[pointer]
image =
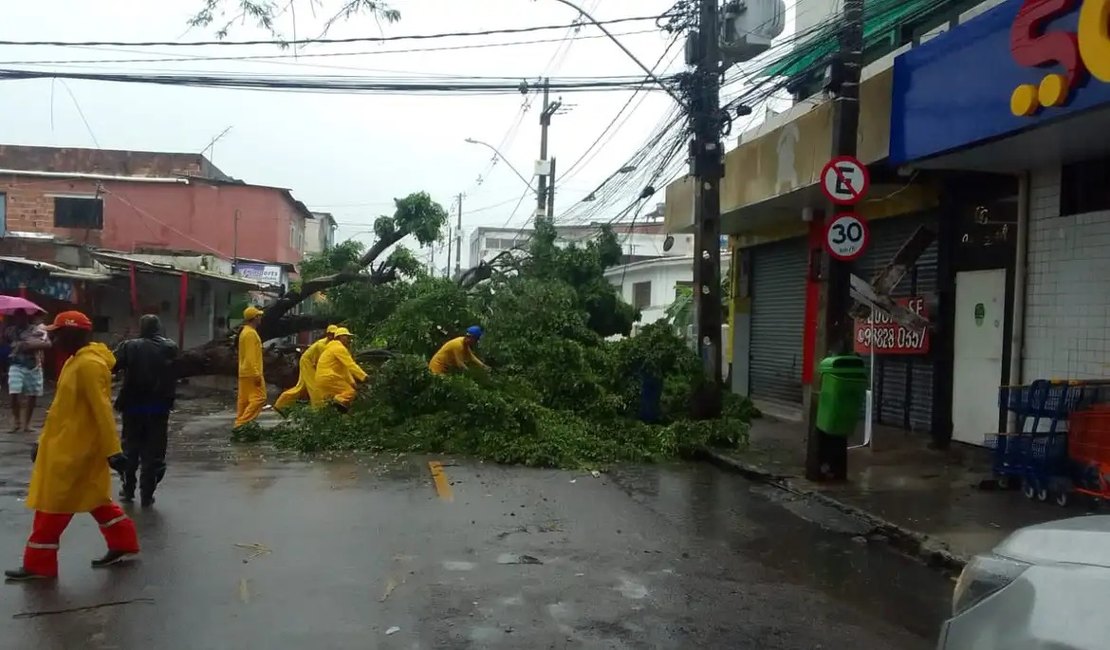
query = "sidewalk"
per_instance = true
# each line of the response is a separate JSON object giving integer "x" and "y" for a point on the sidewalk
{"x": 926, "y": 502}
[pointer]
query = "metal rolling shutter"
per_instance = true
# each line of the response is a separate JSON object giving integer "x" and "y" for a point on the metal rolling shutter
{"x": 778, "y": 321}
{"x": 903, "y": 384}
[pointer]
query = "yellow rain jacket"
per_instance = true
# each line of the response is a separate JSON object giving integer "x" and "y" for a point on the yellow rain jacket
{"x": 336, "y": 375}
{"x": 71, "y": 471}
{"x": 306, "y": 380}
{"x": 454, "y": 355}
{"x": 252, "y": 385}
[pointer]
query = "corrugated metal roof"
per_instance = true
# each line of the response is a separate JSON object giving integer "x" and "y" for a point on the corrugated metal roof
{"x": 123, "y": 261}
{"x": 90, "y": 275}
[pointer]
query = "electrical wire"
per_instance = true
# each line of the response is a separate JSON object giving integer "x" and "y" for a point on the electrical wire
{"x": 336, "y": 84}
{"x": 327, "y": 41}
{"x": 280, "y": 59}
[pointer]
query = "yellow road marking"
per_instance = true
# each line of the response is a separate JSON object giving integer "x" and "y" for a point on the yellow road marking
{"x": 439, "y": 477}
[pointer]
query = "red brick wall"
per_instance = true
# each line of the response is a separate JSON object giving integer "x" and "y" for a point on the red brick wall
{"x": 195, "y": 217}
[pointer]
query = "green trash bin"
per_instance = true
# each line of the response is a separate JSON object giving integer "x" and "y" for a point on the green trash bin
{"x": 843, "y": 391}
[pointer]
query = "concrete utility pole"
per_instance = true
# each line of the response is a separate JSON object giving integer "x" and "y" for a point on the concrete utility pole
{"x": 551, "y": 192}
{"x": 822, "y": 451}
{"x": 458, "y": 240}
{"x": 447, "y": 269}
{"x": 707, "y": 168}
{"x": 549, "y": 109}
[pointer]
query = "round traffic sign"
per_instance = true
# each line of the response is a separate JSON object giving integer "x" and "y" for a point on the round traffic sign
{"x": 845, "y": 180}
{"x": 847, "y": 236}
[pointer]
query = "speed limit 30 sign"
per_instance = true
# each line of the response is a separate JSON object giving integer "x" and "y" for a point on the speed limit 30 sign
{"x": 846, "y": 237}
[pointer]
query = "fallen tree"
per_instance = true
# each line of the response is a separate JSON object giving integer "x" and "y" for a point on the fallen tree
{"x": 560, "y": 393}
{"x": 416, "y": 215}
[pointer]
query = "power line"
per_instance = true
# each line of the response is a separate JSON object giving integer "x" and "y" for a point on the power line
{"x": 331, "y": 83}
{"x": 328, "y": 41}
{"x": 279, "y": 59}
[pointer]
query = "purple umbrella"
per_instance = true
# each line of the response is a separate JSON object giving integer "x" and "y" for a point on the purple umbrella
{"x": 12, "y": 304}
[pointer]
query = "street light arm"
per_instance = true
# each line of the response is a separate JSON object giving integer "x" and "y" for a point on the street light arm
{"x": 647, "y": 70}
{"x": 502, "y": 157}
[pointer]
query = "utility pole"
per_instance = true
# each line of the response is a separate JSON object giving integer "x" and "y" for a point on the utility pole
{"x": 549, "y": 108}
{"x": 458, "y": 240}
{"x": 235, "y": 245}
{"x": 551, "y": 193}
{"x": 707, "y": 168}
{"x": 447, "y": 269}
{"x": 826, "y": 456}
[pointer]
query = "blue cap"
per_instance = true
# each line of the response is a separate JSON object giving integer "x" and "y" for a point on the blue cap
{"x": 474, "y": 331}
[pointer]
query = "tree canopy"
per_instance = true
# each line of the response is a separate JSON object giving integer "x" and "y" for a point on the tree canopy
{"x": 561, "y": 393}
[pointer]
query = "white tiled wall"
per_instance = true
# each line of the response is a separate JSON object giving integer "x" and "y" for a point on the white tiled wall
{"x": 1067, "y": 318}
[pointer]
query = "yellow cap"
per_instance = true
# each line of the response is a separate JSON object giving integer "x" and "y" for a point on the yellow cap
{"x": 342, "y": 331}
{"x": 251, "y": 313}
{"x": 332, "y": 328}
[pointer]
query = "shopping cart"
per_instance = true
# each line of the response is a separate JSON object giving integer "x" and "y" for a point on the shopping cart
{"x": 1037, "y": 461}
{"x": 1036, "y": 452}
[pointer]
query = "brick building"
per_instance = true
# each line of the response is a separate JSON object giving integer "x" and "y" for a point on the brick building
{"x": 120, "y": 233}
{"x": 135, "y": 201}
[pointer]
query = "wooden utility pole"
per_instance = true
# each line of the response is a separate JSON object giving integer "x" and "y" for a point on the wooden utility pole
{"x": 836, "y": 334}
{"x": 707, "y": 168}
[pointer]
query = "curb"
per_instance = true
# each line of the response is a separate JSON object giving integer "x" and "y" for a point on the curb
{"x": 928, "y": 549}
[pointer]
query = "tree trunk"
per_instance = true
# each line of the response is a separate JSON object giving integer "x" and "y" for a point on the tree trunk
{"x": 220, "y": 356}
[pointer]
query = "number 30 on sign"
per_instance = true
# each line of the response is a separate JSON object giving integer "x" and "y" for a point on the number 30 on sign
{"x": 846, "y": 237}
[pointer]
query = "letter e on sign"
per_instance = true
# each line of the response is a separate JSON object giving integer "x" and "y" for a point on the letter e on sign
{"x": 846, "y": 237}
{"x": 845, "y": 180}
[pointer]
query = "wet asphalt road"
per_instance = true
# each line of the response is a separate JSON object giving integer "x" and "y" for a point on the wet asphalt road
{"x": 681, "y": 556}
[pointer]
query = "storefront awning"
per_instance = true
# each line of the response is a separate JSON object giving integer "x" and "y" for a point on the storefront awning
{"x": 55, "y": 271}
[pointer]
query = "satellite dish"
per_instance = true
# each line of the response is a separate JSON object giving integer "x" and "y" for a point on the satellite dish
{"x": 668, "y": 243}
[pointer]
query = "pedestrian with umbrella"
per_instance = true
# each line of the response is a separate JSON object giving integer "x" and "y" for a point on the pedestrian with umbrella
{"x": 26, "y": 340}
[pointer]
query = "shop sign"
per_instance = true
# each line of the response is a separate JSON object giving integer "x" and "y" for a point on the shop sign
{"x": 264, "y": 273}
{"x": 1014, "y": 66}
{"x": 891, "y": 337}
{"x": 1080, "y": 51}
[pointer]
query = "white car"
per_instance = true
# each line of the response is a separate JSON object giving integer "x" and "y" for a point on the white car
{"x": 1045, "y": 587}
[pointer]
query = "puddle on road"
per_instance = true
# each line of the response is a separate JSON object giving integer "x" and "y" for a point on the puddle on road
{"x": 802, "y": 541}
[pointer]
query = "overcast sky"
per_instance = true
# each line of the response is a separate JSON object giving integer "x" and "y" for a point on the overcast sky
{"x": 346, "y": 154}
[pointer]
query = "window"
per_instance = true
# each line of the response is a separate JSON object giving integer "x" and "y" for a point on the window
{"x": 641, "y": 295}
{"x": 3, "y": 214}
{"x": 1083, "y": 187}
{"x": 86, "y": 212}
{"x": 683, "y": 286}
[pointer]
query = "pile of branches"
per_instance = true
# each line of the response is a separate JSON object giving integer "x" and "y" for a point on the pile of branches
{"x": 564, "y": 390}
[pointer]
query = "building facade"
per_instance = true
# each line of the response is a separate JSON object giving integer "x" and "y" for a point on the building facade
{"x": 640, "y": 241}
{"x": 776, "y": 217}
{"x": 1012, "y": 108}
{"x": 135, "y": 201}
{"x": 319, "y": 232}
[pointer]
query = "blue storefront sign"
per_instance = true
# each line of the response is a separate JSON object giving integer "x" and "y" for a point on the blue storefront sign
{"x": 1018, "y": 66}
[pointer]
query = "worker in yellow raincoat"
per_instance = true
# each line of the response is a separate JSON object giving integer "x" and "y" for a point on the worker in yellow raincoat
{"x": 78, "y": 446}
{"x": 458, "y": 353}
{"x": 306, "y": 380}
{"x": 337, "y": 374}
{"x": 252, "y": 383}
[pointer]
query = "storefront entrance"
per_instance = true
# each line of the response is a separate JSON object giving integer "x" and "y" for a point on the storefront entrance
{"x": 979, "y": 347}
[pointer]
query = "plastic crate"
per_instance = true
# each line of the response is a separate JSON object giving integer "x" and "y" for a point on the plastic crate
{"x": 1089, "y": 435}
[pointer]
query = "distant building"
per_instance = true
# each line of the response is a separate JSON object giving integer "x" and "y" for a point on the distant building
{"x": 319, "y": 233}
{"x": 639, "y": 241}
